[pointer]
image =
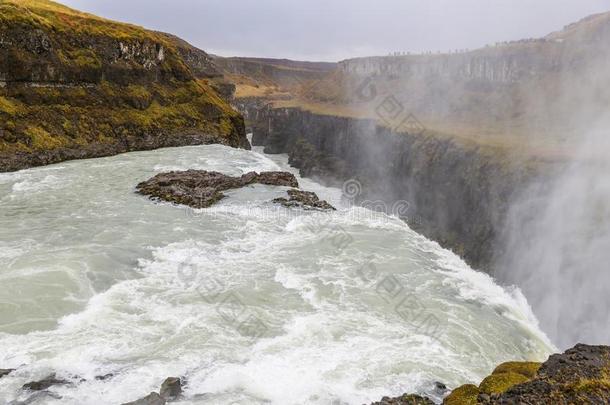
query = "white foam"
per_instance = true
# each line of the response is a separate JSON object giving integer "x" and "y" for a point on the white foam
{"x": 329, "y": 336}
{"x": 35, "y": 185}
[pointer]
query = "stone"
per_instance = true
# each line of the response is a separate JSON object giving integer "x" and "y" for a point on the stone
{"x": 578, "y": 376}
{"x": 5, "y": 371}
{"x": 171, "y": 388}
{"x": 440, "y": 386}
{"x": 152, "y": 399}
{"x": 305, "y": 200}
{"x": 405, "y": 399}
{"x": 45, "y": 383}
{"x": 277, "y": 179}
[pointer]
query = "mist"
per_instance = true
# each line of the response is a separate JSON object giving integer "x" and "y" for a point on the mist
{"x": 558, "y": 246}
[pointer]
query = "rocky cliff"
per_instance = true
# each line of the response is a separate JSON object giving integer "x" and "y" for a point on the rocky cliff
{"x": 457, "y": 193}
{"x": 483, "y": 125}
{"x": 577, "y": 376}
{"x": 73, "y": 85}
{"x": 541, "y": 90}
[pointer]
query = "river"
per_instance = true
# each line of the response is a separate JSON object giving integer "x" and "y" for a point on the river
{"x": 249, "y": 302}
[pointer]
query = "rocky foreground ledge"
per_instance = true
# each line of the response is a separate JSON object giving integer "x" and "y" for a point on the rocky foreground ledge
{"x": 202, "y": 189}
{"x": 581, "y": 375}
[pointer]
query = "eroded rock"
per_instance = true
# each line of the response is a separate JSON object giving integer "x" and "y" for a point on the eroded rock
{"x": 303, "y": 199}
{"x": 171, "y": 388}
{"x": 152, "y": 399}
{"x": 578, "y": 376}
{"x": 5, "y": 371}
{"x": 45, "y": 383}
{"x": 405, "y": 399}
{"x": 202, "y": 189}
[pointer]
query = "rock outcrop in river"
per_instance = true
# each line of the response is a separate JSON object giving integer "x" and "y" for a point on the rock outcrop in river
{"x": 202, "y": 189}
{"x": 73, "y": 85}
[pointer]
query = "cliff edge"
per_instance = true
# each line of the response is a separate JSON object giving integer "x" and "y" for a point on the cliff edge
{"x": 73, "y": 85}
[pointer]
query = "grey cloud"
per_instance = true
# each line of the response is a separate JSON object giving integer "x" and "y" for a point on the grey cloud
{"x": 338, "y": 29}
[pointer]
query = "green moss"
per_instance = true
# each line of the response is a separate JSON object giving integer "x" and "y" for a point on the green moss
{"x": 464, "y": 395}
{"x": 499, "y": 383}
{"x": 525, "y": 368}
{"x": 41, "y": 139}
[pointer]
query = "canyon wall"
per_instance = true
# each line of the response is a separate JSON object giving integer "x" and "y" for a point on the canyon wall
{"x": 457, "y": 194}
{"x": 502, "y": 63}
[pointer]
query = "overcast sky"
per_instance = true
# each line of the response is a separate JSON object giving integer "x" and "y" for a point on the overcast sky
{"x": 332, "y": 30}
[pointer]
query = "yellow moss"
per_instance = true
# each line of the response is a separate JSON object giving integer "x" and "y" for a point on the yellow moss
{"x": 41, "y": 139}
{"x": 48, "y": 94}
{"x": 75, "y": 93}
{"x": 137, "y": 91}
{"x": 107, "y": 89}
{"x": 85, "y": 58}
{"x": 464, "y": 395}
{"x": 525, "y": 368}
{"x": 499, "y": 383}
{"x": 7, "y": 106}
{"x": 591, "y": 385}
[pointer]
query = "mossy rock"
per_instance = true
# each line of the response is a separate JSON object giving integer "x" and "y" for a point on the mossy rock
{"x": 501, "y": 382}
{"x": 525, "y": 368}
{"x": 464, "y": 395}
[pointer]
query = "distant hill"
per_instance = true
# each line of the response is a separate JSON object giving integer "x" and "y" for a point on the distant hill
{"x": 542, "y": 91}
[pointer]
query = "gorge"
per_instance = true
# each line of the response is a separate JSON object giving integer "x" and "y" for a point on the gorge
{"x": 382, "y": 230}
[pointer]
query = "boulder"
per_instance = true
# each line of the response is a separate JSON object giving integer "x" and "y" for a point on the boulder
{"x": 171, "y": 388}
{"x": 305, "y": 200}
{"x": 5, "y": 371}
{"x": 405, "y": 399}
{"x": 45, "y": 383}
{"x": 152, "y": 399}
{"x": 277, "y": 179}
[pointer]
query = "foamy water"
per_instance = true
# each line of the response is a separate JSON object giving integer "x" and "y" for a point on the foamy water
{"x": 248, "y": 302}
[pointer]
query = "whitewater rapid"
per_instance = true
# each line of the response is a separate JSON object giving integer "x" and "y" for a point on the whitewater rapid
{"x": 250, "y": 303}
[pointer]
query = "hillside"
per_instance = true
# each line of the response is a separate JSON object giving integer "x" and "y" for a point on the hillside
{"x": 75, "y": 85}
{"x": 272, "y": 78}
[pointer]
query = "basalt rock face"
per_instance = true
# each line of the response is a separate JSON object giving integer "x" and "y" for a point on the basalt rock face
{"x": 457, "y": 195}
{"x": 73, "y": 85}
